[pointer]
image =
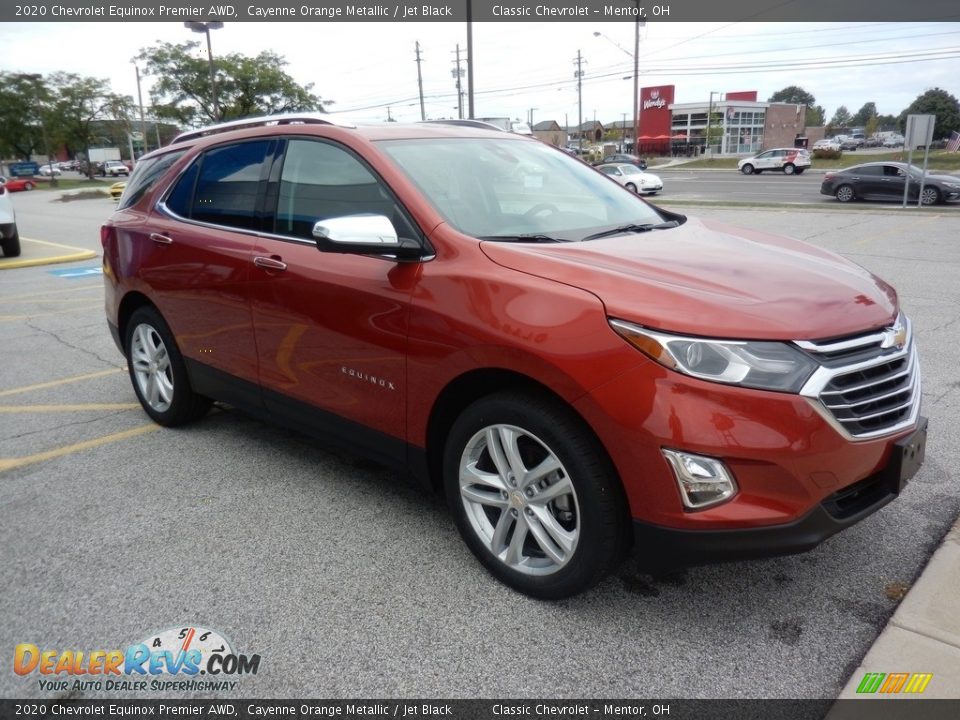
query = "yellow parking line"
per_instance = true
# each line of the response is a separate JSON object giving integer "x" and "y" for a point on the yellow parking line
{"x": 4, "y": 299}
{"x": 62, "y": 381}
{"x": 12, "y": 463}
{"x": 78, "y": 254}
{"x": 66, "y": 408}
{"x": 48, "y": 314}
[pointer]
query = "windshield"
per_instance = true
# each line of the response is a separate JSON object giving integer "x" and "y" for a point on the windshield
{"x": 508, "y": 188}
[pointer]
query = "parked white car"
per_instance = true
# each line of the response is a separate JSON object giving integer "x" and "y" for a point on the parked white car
{"x": 114, "y": 168}
{"x": 789, "y": 161}
{"x": 50, "y": 170}
{"x": 826, "y": 144}
{"x": 633, "y": 178}
{"x": 9, "y": 238}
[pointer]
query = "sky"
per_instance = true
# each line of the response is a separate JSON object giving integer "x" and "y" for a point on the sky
{"x": 519, "y": 66}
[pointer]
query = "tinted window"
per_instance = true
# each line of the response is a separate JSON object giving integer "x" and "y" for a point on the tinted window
{"x": 320, "y": 181}
{"x": 868, "y": 171}
{"x": 180, "y": 199}
{"x": 892, "y": 171}
{"x": 226, "y": 188}
{"x": 145, "y": 176}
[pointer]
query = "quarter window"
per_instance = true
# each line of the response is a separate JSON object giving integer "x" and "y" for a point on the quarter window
{"x": 145, "y": 176}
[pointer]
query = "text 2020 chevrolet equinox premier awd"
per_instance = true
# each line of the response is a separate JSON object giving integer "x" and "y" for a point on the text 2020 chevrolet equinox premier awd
{"x": 576, "y": 370}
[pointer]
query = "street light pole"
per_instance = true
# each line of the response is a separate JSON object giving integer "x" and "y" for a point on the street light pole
{"x": 205, "y": 28}
{"x": 143, "y": 122}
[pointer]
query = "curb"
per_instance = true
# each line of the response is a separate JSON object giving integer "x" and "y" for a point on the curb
{"x": 923, "y": 636}
{"x": 80, "y": 254}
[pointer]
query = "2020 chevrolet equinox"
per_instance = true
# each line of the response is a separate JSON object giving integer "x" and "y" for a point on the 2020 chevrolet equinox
{"x": 579, "y": 372}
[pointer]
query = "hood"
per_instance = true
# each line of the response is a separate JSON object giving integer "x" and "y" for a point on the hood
{"x": 712, "y": 279}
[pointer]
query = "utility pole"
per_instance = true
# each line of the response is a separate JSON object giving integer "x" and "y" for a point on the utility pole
{"x": 710, "y": 117}
{"x": 458, "y": 74}
{"x": 470, "y": 58}
{"x": 578, "y": 74}
{"x": 389, "y": 117}
{"x": 530, "y": 117}
{"x": 423, "y": 114}
{"x": 623, "y": 135}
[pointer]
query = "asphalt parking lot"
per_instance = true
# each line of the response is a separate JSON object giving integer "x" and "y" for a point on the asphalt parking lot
{"x": 349, "y": 583}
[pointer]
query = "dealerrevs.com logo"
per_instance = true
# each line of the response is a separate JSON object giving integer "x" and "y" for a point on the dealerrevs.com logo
{"x": 183, "y": 658}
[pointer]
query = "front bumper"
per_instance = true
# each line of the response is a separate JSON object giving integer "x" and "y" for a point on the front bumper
{"x": 660, "y": 549}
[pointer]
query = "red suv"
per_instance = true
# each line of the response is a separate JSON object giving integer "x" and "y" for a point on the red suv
{"x": 577, "y": 370}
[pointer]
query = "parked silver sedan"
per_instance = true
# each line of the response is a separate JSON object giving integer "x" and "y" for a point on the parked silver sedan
{"x": 633, "y": 178}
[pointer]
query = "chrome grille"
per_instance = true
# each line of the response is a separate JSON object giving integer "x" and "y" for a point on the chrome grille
{"x": 862, "y": 388}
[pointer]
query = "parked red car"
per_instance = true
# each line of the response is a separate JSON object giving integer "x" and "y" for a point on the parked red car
{"x": 577, "y": 370}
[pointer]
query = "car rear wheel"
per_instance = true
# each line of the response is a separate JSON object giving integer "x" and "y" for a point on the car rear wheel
{"x": 28, "y": 186}
{"x": 631, "y": 187}
{"x": 158, "y": 372}
{"x": 747, "y": 169}
{"x": 789, "y": 169}
{"x": 533, "y": 495}
{"x": 11, "y": 245}
{"x": 844, "y": 193}
{"x": 930, "y": 196}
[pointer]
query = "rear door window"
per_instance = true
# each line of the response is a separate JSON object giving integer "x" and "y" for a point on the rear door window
{"x": 221, "y": 187}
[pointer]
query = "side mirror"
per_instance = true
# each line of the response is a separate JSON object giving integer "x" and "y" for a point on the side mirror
{"x": 363, "y": 235}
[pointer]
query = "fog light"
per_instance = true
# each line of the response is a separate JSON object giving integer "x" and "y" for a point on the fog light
{"x": 703, "y": 481}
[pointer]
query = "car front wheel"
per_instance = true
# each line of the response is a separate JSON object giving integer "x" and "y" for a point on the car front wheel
{"x": 747, "y": 169}
{"x": 158, "y": 372}
{"x": 930, "y": 196}
{"x": 533, "y": 495}
{"x": 11, "y": 245}
{"x": 844, "y": 193}
{"x": 631, "y": 187}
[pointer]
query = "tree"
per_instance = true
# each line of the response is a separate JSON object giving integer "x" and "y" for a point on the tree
{"x": 863, "y": 115}
{"x": 22, "y": 98}
{"x": 798, "y": 96}
{"x": 78, "y": 103}
{"x": 245, "y": 85}
{"x": 936, "y": 102}
{"x": 871, "y": 126}
{"x": 841, "y": 118}
{"x": 793, "y": 94}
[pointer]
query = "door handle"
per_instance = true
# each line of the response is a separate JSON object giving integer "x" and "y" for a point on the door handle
{"x": 162, "y": 239}
{"x": 269, "y": 263}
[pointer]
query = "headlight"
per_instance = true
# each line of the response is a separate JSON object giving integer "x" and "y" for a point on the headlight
{"x": 756, "y": 364}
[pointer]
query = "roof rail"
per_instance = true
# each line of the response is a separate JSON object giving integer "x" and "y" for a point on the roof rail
{"x": 466, "y": 123}
{"x": 282, "y": 119}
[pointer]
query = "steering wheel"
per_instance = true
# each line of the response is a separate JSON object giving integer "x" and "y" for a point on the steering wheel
{"x": 541, "y": 208}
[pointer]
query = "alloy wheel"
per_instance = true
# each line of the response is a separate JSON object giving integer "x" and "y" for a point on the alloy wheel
{"x": 151, "y": 368}
{"x": 519, "y": 499}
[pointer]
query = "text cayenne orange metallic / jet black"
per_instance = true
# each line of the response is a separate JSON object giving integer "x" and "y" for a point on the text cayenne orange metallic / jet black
{"x": 576, "y": 370}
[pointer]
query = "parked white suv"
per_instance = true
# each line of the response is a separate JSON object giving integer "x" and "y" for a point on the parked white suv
{"x": 785, "y": 160}
{"x": 9, "y": 238}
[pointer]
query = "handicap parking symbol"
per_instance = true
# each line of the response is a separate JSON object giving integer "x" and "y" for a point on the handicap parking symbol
{"x": 80, "y": 272}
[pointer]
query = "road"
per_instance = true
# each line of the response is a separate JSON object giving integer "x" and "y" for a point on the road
{"x": 349, "y": 583}
{"x": 769, "y": 187}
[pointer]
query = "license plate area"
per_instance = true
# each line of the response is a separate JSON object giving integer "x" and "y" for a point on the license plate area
{"x": 908, "y": 455}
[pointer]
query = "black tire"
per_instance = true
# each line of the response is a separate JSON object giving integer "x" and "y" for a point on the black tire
{"x": 789, "y": 169}
{"x": 184, "y": 405}
{"x": 593, "y": 513}
{"x": 845, "y": 193}
{"x": 11, "y": 245}
{"x": 28, "y": 186}
{"x": 747, "y": 169}
{"x": 631, "y": 187}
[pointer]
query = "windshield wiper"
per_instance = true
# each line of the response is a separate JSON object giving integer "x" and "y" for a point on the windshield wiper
{"x": 623, "y": 229}
{"x": 531, "y": 237}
